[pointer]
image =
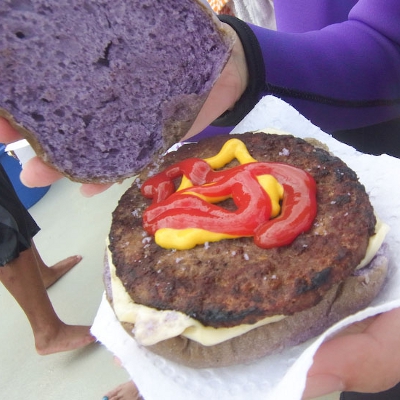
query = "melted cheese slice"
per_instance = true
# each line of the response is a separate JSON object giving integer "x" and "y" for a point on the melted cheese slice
{"x": 152, "y": 326}
{"x": 375, "y": 242}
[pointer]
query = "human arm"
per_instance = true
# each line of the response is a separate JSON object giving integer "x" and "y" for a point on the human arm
{"x": 341, "y": 76}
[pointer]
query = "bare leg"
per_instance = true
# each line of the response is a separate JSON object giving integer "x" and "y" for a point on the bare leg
{"x": 22, "y": 279}
{"x": 125, "y": 391}
{"x": 51, "y": 275}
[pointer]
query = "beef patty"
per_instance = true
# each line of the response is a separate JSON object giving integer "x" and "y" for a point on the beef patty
{"x": 232, "y": 282}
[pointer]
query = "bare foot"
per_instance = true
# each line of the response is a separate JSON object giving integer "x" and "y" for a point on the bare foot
{"x": 51, "y": 275}
{"x": 126, "y": 391}
{"x": 68, "y": 337}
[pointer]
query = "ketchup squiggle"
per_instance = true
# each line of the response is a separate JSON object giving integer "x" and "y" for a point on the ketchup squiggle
{"x": 189, "y": 208}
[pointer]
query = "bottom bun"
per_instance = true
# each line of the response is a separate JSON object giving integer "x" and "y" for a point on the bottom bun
{"x": 342, "y": 300}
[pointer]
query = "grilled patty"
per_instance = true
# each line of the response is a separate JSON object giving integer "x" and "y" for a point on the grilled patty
{"x": 234, "y": 282}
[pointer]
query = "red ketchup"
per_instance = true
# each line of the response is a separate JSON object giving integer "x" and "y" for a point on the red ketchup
{"x": 185, "y": 209}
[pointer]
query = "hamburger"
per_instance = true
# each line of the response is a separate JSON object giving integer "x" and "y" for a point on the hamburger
{"x": 231, "y": 297}
{"x": 96, "y": 87}
{"x": 76, "y": 79}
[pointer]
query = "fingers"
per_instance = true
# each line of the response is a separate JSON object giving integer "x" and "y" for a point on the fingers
{"x": 36, "y": 173}
{"x": 91, "y": 189}
{"x": 7, "y": 133}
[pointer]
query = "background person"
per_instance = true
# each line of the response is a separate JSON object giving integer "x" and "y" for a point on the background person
{"x": 26, "y": 276}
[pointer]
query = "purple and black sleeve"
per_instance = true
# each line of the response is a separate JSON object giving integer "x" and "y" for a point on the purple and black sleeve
{"x": 341, "y": 73}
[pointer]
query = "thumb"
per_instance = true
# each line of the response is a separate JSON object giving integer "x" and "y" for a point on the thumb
{"x": 322, "y": 384}
{"x": 334, "y": 365}
{"x": 364, "y": 361}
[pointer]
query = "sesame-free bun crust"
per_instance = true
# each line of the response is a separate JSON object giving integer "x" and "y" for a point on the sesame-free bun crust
{"x": 341, "y": 301}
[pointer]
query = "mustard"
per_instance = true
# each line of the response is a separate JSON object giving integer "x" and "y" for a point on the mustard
{"x": 183, "y": 239}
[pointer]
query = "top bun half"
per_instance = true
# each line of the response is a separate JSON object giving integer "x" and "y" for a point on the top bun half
{"x": 99, "y": 88}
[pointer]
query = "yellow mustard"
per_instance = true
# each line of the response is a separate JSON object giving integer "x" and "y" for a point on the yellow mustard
{"x": 183, "y": 239}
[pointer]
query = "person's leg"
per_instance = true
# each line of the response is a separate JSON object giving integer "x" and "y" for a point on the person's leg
{"x": 51, "y": 275}
{"x": 22, "y": 279}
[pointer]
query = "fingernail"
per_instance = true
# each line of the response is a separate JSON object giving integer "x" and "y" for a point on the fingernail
{"x": 320, "y": 385}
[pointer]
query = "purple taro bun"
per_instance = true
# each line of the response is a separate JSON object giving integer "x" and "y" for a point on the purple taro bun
{"x": 98, "y": 88}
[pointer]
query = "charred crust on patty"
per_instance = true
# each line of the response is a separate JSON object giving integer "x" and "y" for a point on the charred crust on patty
{"x": 234, "y": 282}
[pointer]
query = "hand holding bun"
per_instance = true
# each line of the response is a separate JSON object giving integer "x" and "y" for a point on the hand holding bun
{"x": 227, "y": 89}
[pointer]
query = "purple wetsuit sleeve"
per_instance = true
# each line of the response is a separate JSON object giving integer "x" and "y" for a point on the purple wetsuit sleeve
{"x": 343, "y": 76}
{"x": 338, "y": 63}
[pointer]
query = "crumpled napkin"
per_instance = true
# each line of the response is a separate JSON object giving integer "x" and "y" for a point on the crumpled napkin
{"x": 280, "y": 376}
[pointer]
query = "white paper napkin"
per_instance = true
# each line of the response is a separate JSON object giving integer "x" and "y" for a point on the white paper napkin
{"x": 281, "y": 376}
